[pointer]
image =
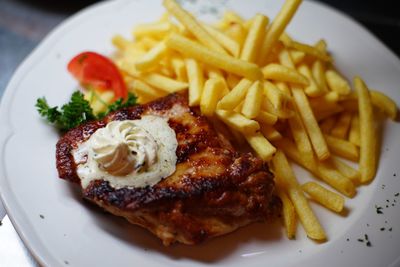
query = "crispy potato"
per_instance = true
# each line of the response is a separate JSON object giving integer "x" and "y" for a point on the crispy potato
{"x": 158, "y": 30}
{"x": 314, "y": 132}
{"x": 310, "y": 50}
{"x": 337, "y": 83}
{"x": 164, "y": 83}
{"x": 342, "y": 148}
{"x": 232, "y": 46}
{"x": 384, "y": 103}
{"x": 179, "y": 67}
{"x": 368, "y": 138}
{"x": 324, "y": 196}
{"x": 346, "y": 170}
{"x": 235, "y": 96}
{"x": 238, "y": 121}
{"x": 312, "y": 90}
{"x": 196, "y": 81}
{"x": 151, "y": 58}
{"x": 289, "y": 214}
{"x": 321, "y": 45}
{"x": 307, "y": 217}
{"x": 297, "y": 56}
{"x": 232, "y": 80}
{"x": 283, "y": 87}
{"x": 260, "y": 145}
{"x": 222, "y": 61}
{"x": 252, "y": 101}
{"x": 192, "y": 25}
{"x": 342, "y": 126}
{"x": 270, "y": 132}
{"x": 142, "y": 89}
{"x": 354, "y": 133}
{"x": 327, "y": 124}
{"x": 254, "y": 38}
{"x": 285, "y": 59}
{"x": 266, "y": 117}
{"x": 277, "y": 28}
{"x": 210, "y": 96}
{"x": 237, "y": 32}
{"x": 284, "y": 74}
{"x": 318, "y": 72}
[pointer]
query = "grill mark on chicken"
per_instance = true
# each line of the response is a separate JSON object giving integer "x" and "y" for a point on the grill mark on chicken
{"x": 213, "y": 191}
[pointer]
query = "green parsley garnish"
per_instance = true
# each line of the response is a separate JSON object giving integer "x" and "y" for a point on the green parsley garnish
{"x": 77, "y": 111}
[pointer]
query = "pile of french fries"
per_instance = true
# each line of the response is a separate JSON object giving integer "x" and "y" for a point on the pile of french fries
{"x": 281, "y": 97}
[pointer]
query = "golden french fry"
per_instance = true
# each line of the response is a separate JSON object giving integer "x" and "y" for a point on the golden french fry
{"x": 384, "y": 103}
{"x": 322, "y": 170}
{"x": 232, "y": 80}
{"x": 277, "y": 98}
{"x": 164, "y": 83}
{"x": 337, "y": 83}
{"x": 318, "y": 72}
{"x": 312, "y": 89}
{"x": 254, "y": 38}
{"x": 179, "y": 67}
{"x": 310, "y": 50}
{"x": 297, "y": 56}
{"x": 196, "y": 81}
{"x": 210, "y": 96}
{"x": 284, "y": 74}
{"x": 324, "y": 196}
{"x": 235, "y": 96}
{"x": 354, "y": 133}
{"x": 237, "y": 32}
{"x": 238, "y": 121}
{"x": 266, "y": 117}
{"x": 285, "y": 59}
{"x": 192, "y": 25}
{"x": 342, "y": 126}
{"x": 120, "y": 42}
{"x": 270, "y": 132}
{"x": 346, "y": 170}
{"x": 252, "y": 101}
{"x": 314, "y": 132}
{"x": 261, "y": 145}
{"x": 142, "y": 89}
{"x": 327, "y": 124}
{"x": 232, "y": 46}
{"x": 289, "y": 214}
{"x": 342, "y": 148}
{"x": 368, "y": 138}
{"x": 277, "y": 28}
{"x": 230, "y": 18}
{"x": 321, "y": 45}
{"x": 151, "y": 58}
{"x": 158, "y": 30}
{"x": 213, "y": 58}
{"x": 284, "y": 88}
{"x": 284, "y": 172}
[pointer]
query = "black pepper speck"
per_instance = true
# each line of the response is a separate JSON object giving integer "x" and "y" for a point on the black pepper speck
{"x": 41, "y": 216}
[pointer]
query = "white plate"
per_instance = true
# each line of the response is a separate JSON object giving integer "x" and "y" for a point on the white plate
{"x": 74, "y": 233}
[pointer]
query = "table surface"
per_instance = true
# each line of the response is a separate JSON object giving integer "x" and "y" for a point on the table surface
{"x": 24, "y": 23}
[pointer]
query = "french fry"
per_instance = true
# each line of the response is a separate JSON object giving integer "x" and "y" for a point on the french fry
{"x": 323, "y": 114}
{"x": 237, "y": 32}
{"x": 354, "y": 133}
{"x": 232, "y": 80}
{"x": 252, "y": 101}
{"x": 280, "y": 73}
{"x": 346, "y": 170}
{"x": 230, "y": 18}
{"x": 210, "y": 96}
{"x": 297, "y": 56}
{"x": 164, "y": 83}
{"x": 238, "y": 121}
{"x": 120, "y": 42}
{"x": 310, "y": 50}
{"x": 235, "y": 96}
{"x": 324, "y": 196}
{"x": 342, "y": 126}
{"x": 321, "y": 45}
{"x": 342, "y": 148}
{"x": 232, "y": 46}
{"x": 151, "y": 58}
{"x": 178, "y": 65}
{"x": 158, "y": 29}
{"x": 285, "y": 59}
{"x": 368, "y": 138}
{"x": 384, "y": 103}
{"x": 215, "y": 59}
{"x": 289, "y": 214}
{"x": 312, "y": 90}
{"x": 324, "y": 171}
{"x": 284, "y": 171}
{"x": 196, "y": 80}
{"x": 254, "y": 38}
{"x": 314, "y": 132}
{"x": 270, "y": 132}
{"x": 284, "y": 88}
{"x": 142, "y": 89}
{"x": 318, "y": 71}
{"x": 327, "y": 124}
{"x": 337, "y": 83}
{"x": 277, "y": 28}
{"x": 266, "y": 117}
{"x": 261, "y": 145}
{"x": 277, "y": 98}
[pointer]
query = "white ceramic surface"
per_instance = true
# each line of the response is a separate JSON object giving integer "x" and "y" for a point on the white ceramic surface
{"x": 62, "y": 230}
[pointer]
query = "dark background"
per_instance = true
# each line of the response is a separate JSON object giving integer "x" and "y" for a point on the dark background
{"x": 24, "y": 23}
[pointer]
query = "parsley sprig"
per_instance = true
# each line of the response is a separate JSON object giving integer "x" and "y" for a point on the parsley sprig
{"x": 77, "y": 111}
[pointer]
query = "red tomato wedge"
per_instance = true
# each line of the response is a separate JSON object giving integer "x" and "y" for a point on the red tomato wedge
{"x": 93, "y": 69}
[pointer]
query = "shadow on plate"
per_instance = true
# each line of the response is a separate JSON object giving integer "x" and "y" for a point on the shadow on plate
{"x": 210, "y": 251}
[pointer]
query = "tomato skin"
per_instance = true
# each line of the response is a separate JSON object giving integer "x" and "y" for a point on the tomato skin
{"x": 97, "y": 71}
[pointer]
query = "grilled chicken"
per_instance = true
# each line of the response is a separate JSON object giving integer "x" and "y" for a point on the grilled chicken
{"x": 213, "y": 191}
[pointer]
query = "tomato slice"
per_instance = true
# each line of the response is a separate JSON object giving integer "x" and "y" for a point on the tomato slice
{"x": 95, "y": 70}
